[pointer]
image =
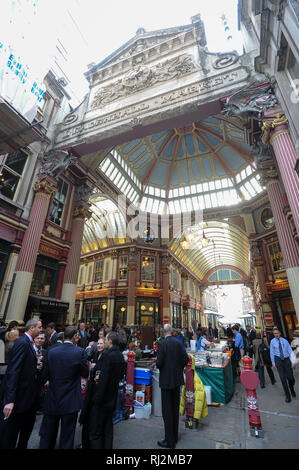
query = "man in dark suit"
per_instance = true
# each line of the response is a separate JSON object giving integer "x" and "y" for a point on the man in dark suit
{"x": 105, "y": 393}
{"x": 20, "y": 390}
{"x": 171, "y": 360}
{"x": 66, "y": 364}
{"x": 52, "y": 334}
{"x": 83, "y": 336}
{"x": 251, "y": 335}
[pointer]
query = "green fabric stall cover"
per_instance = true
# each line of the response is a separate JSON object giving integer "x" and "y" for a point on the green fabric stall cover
{"x": 220, "y": 380}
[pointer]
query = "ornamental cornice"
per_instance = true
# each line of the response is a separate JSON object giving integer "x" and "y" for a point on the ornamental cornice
{"x": 270, "y": 125}
{"x": 82, "y": 212}
{"x": 45, "y": 187}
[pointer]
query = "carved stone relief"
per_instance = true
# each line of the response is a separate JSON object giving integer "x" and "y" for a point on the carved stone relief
{"x": 55, "y": 162}
{"x": 141, "y": 77}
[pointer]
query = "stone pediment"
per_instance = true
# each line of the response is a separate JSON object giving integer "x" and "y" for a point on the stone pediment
{"x": 144, "y": 46}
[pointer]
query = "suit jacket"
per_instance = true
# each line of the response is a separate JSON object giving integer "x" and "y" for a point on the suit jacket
{"x": 83, "y": 341}
{"x": 171, "y": 360}
{"x": 21, "y": 384}
{"x": 112, "y": 371}
{"x": 53, "y": 339}
{"x": 64, "y": 367}
{"x": 251, "y": 336}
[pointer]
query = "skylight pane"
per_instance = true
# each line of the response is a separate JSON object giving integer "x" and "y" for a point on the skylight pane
{"x": 189, "y": 204}
{"x": 245, "y": 192}
{"x": 220, "y": 198}
{"x": 187, "y": 190}
{"x": 205, "y": 187}
{"x": 193, "y": 189}
{"x": 208, "y": 203}
{"x": 218, "y": 184}
{"x": 170, "y": 194}
{"x": 214, "y": 200}
{"x": 171, "y": 207}
{"x": 212, "y": 185}
{"x": 143, "y": 204}
{"x": 199, "y": 188}
{"x": 177, "y": 207}
{"x": 195, "y": 203}
{"x": 224, "y": 183}
{"x": 155, "y": 206}
{"x": 201, "y": 202}
{"x": 175, "y": 192}
{"x": 181, "y": 191}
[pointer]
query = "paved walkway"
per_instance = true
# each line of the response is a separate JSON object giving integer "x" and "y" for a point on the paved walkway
{"x": 226, "y": 427}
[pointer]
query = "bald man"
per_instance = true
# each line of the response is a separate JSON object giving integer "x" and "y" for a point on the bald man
{"x": 171, "y": 361}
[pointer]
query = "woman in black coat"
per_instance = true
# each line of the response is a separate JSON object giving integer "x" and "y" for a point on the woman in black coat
{"x": 87, "y": 406}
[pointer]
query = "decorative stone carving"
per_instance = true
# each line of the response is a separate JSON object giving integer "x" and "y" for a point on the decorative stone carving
{"x": 262, "y": 153}
{"x": 250, "y": 102}
{"x": 223, "y": 59}
{"x": 55, "y": 162}
{"x": 142, "y": 77}
{"x": 83, "y": 193}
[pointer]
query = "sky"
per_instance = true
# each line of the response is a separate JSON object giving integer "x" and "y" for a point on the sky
{"x": 90, "y": 30}
{"x": 230, "y": 305}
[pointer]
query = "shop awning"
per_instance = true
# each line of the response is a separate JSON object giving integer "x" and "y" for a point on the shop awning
{"x": 15, "y": 131}
{"x": 46, "y": 302}
{"x": 212, "y": 312}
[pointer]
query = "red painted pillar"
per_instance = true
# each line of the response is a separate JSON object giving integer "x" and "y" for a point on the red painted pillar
{"x": 69, "y": 288}
{"x": 60, "y": 278}
{"x": 277, "y": 134}
{"x": 45, "y": 188}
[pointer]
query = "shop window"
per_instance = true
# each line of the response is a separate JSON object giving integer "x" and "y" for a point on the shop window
{"x": 89, "y": 274}
{"x": 176, "y": 316}
{"x": 148, "y": 268}
{"x": 94, "y": 311}
{"x": 58, "y": 202}
{"x": 4, "y": 254}
{"x": 11, "y": 172}
{"x": 44, "y": 277}
{"x": 98, "y": 275}
{"x": 81, "y": 275}
{"x": 292, "y": 70}
{"x": 276, "y": 257}
{"x": 107, "y": 265}
{"x": 123, "y": 267}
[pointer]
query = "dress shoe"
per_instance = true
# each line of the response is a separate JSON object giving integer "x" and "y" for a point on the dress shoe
{"x": 293, "y": 393}
{"x": 288, "y": 399}
{"x": 262, "y": 386}
{"x": 165, "y": 444}
{"x": 274, "y": 382}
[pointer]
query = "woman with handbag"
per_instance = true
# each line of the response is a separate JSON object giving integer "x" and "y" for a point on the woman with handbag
{"x": 261, "y": 352}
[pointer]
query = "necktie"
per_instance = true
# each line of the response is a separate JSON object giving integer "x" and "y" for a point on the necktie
{"x": 280, "y": 351}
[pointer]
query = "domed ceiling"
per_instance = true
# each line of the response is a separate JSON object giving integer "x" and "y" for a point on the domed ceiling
{"x": 208, "y": 158}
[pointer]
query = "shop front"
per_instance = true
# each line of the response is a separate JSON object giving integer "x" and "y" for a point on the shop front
{"x": 286, "y": 314}
{"x": 176, "y": 310}
{"x": 120, "y": 311}
{"x": 47, "y": 309}
{"x": 45, "y": 276}
{"x": 4, "y": 255}
{"x": 147, "y": 312}
{"x": 95, "y": 311}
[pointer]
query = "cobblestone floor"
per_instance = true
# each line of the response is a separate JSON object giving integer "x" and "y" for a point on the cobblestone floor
{"x": 226, "y": 427}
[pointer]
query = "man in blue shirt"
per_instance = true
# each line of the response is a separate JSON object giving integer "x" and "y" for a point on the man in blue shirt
{"x": 239, "y": 344}
{"x": 281, "y": 356}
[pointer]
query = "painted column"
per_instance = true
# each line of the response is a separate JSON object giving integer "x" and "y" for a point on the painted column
{"x": 60, "y": 278}
{"x": 45, "y": 188}
{"x": 258, "y": 263}
{"x": 69, "y": 288}
{"x": 132, "y": 272}
{"x": 166, "y": 313}
{"x": 277, "y": 134}
{"x": 287, "y": 243}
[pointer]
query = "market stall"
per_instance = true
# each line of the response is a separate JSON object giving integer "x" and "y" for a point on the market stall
{"x": 215, "y": 370}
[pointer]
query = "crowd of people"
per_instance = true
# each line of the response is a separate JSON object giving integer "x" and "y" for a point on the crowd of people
{"x": 77, "y": 372}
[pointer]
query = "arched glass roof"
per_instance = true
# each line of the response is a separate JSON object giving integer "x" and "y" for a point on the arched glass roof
{"x": 228, "y": 247}
{"x": 206, "y": 164}
{"x": 106, "y": 227}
